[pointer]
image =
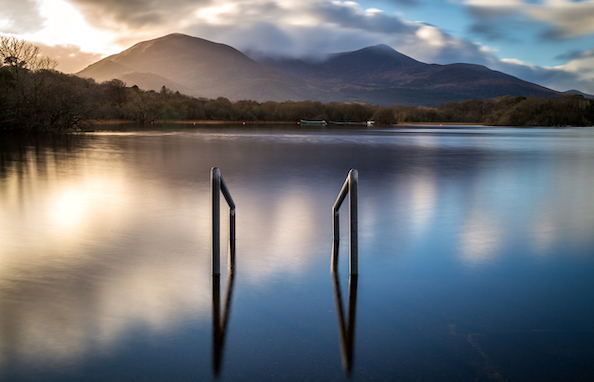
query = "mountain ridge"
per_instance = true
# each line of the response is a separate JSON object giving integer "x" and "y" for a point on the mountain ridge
{"x": 377, "y": 74}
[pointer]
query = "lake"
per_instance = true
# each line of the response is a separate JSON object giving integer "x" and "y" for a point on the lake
{"x": 476, "y": 255}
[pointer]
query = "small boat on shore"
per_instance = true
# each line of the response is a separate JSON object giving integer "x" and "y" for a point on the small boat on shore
{"x": 368, "y": 123}
{"x": 310, "y": 122}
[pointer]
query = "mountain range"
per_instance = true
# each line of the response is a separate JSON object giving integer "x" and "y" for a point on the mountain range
{"x": 377, "y": 75}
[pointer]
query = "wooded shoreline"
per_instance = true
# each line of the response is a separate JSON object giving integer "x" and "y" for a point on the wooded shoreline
{"x": 49, "y": 100}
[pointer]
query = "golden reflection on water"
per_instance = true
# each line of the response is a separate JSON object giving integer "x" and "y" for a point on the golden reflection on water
{"x": 69, "y": 281}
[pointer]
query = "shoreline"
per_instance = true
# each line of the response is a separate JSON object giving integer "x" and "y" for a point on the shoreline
{"x": 213, "y": 122}
{"x": 189, "y": 122}
{"x": 444, "y": 123}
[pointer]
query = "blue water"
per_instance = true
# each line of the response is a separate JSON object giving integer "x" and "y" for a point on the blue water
{"x": 476, "y": 255}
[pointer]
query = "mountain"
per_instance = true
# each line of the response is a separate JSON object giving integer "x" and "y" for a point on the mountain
{"x": 362, "y": 66}
{"x": 376, "y": 74}
{"x": 196, "y": 67}
{"x": 381, "y": 66}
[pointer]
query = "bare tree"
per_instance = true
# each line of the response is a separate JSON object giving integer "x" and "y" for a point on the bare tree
{"x": 22, "y": 54}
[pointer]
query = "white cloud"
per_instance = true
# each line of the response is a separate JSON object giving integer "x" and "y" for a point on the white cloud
{"x": 488, "y": 8}
{"x": 565, "y": 18}
{"x": 568, "y": 18}
{"x": 576, "y": 75}
{"x": 583, "y": 68}
{"x": 19, "y": 16}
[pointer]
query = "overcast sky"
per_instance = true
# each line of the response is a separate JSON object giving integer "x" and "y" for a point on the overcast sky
{"x": 550, "y": 42}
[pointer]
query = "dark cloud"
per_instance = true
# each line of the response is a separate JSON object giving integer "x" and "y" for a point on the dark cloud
{"x": 352, "y": 18}
{"x": 553, "y": 34}
{"x": 576, "y": 55}
{"x": 495, "y": 31}
{"x": 459, "y": 53}
{"x": 489, "y": 12}
{"x": 261, "y": 39}
{"x": 136, "y": 13}
{"x": 23, "y": 16}
{"x": 271, "y": 40}
{"x": 489, "y": 31}
{"x": 406, "y": 2}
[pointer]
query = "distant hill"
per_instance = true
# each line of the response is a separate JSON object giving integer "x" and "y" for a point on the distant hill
{"x": 377, "y": 74}
{"x": 585, "y": 95}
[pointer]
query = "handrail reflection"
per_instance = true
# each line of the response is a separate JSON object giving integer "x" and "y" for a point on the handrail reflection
{"x": 346, "y": 328}
{"x": 219, "y": 324}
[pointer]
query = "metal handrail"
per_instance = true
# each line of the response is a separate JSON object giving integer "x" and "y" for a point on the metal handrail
{"x": 218, "y": 186}
{"x": 350, "y": 187}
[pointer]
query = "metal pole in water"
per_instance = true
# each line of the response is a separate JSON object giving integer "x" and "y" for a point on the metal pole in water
{"x": 336, "y": 224}
{"x": 231, "y": 205}
{"x": 334, "y": 263}
{"x": 215, "y": 191}
{"x": 218, "y": 186}
{"x": 354, "y": 221}
{"x": 350, "y": 187}
{"x": 231, "y": 239}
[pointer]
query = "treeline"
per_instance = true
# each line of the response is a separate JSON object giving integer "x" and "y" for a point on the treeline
{"x": 33, "y": 96}
{"x": 570, "y": 110}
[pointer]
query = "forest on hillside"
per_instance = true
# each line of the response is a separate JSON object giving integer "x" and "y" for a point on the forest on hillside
{"x": 35, "y": 97}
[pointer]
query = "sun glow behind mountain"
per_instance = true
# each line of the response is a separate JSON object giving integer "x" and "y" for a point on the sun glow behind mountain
{"x": 65, "y": 25}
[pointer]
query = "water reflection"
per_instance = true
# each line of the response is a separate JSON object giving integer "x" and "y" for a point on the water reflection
{"x": 90, "y": 253}
{"x": 346, "y": 325}
{"x": 103, "y": 240}
{"x": 221, "y": 319}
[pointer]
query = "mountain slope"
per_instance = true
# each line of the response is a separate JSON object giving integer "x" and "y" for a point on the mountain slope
{"x": 196, "y": 66}
{"x": 377, "y": 74}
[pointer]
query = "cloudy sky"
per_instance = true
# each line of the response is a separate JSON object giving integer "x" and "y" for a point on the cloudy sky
{"x": 550, "y": 42}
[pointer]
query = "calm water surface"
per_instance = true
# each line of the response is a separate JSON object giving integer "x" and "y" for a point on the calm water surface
{"x": 476, "y": 256}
